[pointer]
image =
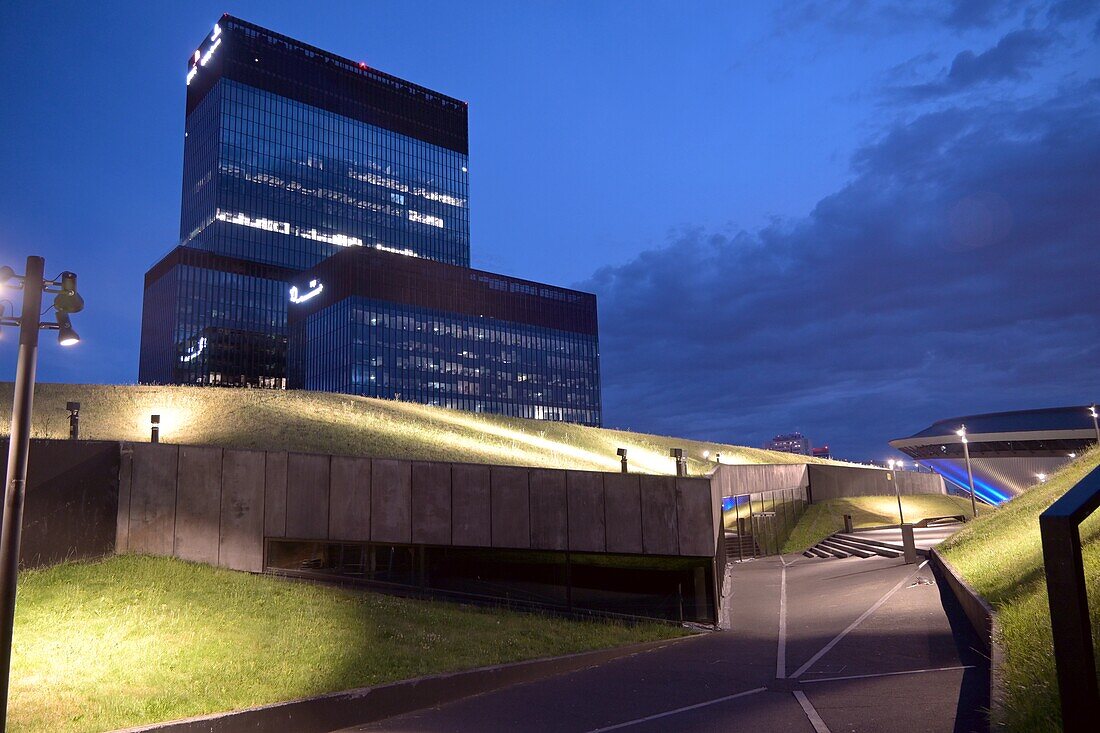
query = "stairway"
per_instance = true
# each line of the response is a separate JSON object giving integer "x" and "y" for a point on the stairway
{"x": 741, "y": 546}
{"x": 842, "y": 545}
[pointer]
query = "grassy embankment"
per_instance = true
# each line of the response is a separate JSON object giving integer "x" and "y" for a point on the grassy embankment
{"x": 1001, "y": 556}
{"x": 821, "y": 520}
{"x": 134, "y": 640}
{"x": 340, "y": 424}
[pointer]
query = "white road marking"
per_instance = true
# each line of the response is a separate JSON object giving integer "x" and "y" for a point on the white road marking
{"x": 677, "y": 711}
{"x": 857, "y": 622}
{"x": 781, "y": 652}
{"x": 815, "y": 719}
{"x": 887, "y": 674}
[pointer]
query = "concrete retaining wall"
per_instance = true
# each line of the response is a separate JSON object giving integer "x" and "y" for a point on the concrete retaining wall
{"x": 733, "y": 480}
{"x": 216, "y": 505}
{"x": 833, "y": 482}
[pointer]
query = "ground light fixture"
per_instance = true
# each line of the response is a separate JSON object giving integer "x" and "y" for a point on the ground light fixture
{"x": 961, "y": 432}
{"x": 154, "y": 428}
{"x": 66, "y": 301}
{"x": 74, "y": 419}
{"x": 621, "y": 453}
{"x": 678, "y": 455}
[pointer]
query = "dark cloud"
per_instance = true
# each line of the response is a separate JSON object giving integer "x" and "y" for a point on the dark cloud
{"x": 1072, "y": 10}
{"x": 955, "y": 273}
{"x": 965, "y": 14}
{"x": 1013, "y": 56}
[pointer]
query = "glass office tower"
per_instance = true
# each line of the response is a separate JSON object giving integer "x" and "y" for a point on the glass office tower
{"x": 291, "y": 156}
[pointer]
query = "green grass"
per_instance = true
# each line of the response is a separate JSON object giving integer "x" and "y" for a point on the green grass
{"x": 318, "y": 422}
{"x": 133, "y": 640}
{"x": 821, "y": 520}
{"x": 1001, "y": 556}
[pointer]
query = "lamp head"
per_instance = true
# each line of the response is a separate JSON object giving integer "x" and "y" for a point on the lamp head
{"x": 154, "y": 419}
{"x": 676, "y": 453}
{"x": 68, "y": 300}
{"x": 72, "y": 406}
{"x": 620, "y": 452}
{"x": 1092, "y": 410}
{"x": 6, "y": 273}
{"x": 66, "y": 335}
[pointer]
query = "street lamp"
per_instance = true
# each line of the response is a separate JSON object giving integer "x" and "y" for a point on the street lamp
{"x": 897, "y": 489}
{"x": 961, "y": 432}
{"x": 1095, "y": 424}
{"x": 29, "y": 321}
{"x": 621, "y": 453}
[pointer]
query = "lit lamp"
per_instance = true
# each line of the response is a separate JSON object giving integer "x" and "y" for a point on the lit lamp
{"x": 621, "y": 453}
{"x": 897, "y": 489}
{"x": 678, "y": 455}
{"x": 961, "y": 432}
{"x": 74, "y": 419}
{"x": 154, "y": 428}
{"x": 1095, "y": 424}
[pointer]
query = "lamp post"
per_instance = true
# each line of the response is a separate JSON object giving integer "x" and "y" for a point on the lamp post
{"x": 67, "y": 301}
{"x": 961, "y": 432}
{"x": 897, "y": 490}
{"x": 621, "y": 453}
{"x": 1095, "y": 424}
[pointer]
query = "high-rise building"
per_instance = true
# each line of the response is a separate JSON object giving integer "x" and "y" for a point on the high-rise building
{"x": 293, "y": 155}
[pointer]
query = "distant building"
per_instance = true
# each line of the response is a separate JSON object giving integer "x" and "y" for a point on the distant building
{"x": 821, "y": 452}
{"x": 1009, "y": 451}
{"x": 790, "y": 443}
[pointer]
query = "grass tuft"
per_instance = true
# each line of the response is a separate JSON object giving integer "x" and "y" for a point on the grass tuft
{"x": 1001, "y": 556}
{"x": 134, "y": 639}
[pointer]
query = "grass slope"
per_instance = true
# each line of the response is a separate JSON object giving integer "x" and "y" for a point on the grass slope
{"x": 341, "y": 424}
{"x": 133, "y": 640}
{"x": 821, "y": 520}
{"x": 1001, "y": 556}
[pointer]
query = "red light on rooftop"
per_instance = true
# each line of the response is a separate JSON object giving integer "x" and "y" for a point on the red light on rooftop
{"x": 363, "y": 65}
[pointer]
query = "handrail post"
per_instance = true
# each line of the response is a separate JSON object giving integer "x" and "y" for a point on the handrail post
{"x": 1070, "y": 625}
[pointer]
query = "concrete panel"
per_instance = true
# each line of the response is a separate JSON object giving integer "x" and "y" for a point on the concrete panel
{"x": 659, "y": 532}
{"x": 623, "y": 512}
{"x": 198, "y": 504}
{"x": 153, "y": 498}
{"x": 349, "y": 499}
{"x": 511, "y": 506}
{"x": 832, "y": 482}
{"x": 275, "y": 494}
{"x": 307, "y": 482}
{"x": 549, "y": 509}
{"x": 242, "y": 520}
{"x": 431, "y": 503}
{"x": 391, "y": 501}
{"x": 125, "y": 476}
{"x": 694, "y": 523}
{"x": 471, "y": 514}
{"x": 746, "y": 479}
{"x": 586, "y": 512}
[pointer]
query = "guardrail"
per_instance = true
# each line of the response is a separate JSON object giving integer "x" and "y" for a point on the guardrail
{"x": 1074, "y": 658}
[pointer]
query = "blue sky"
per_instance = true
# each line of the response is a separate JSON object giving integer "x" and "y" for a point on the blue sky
{"x": 850, "y": 219}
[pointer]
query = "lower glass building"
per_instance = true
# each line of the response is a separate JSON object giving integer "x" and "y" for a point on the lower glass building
{"x": 378, "y": 324}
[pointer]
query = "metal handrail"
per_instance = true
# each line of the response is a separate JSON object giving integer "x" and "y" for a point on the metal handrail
{"x": 1074, "y": 658}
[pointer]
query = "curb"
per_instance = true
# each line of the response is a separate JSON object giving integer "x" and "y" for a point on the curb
{"x": 336, "y": 710}
{"x": 984, "y": 620}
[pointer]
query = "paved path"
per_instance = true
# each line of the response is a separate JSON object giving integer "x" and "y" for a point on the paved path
{"x": 815, "y": 646}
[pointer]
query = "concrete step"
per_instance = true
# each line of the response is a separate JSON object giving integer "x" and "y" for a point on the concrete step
{"x": 861, "y": 551}
{"x": 868, "y": 549}
{"x": 832, "y": 550}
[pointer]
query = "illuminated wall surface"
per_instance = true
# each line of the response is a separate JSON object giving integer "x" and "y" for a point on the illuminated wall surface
{"x": 293, "y": 155}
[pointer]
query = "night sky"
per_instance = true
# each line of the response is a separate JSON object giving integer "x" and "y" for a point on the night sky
{"x": 845, "y": 219}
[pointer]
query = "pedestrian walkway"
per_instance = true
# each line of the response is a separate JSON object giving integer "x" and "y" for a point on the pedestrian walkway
{"x": 813, "y": 646}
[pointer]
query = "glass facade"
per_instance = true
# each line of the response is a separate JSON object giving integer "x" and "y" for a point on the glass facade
{"x": 292, "y": 156}
{"x": 379, "y": 349}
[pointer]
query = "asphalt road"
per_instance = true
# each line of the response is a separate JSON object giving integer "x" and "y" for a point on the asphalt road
{"x": 814, "y": 645}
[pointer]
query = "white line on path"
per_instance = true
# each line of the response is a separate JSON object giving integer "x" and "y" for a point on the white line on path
{"x": 677, "y": 711}
{"x": 781, "y": 652}
{"x": 887, "y": 674}
{"x": 857, "y": 622}
{"x": 815, "y": 719}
